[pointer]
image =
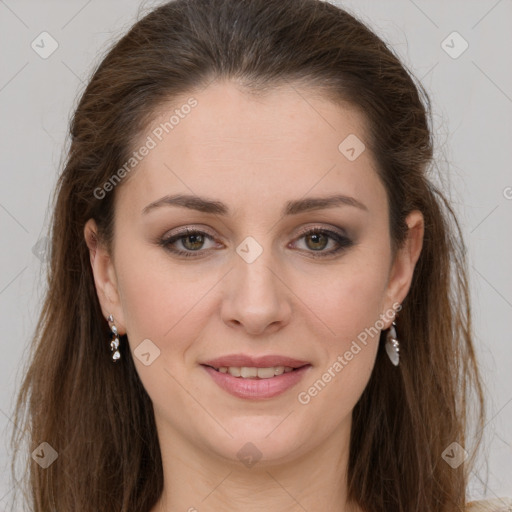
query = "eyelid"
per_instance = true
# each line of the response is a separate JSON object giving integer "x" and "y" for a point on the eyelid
{"x": 191, "y": 228}
{"x": 318, "y": 227}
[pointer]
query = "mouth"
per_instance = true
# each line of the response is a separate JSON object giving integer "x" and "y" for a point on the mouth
{"x": 253, "y": 372}
{"x": 256, "y": 382}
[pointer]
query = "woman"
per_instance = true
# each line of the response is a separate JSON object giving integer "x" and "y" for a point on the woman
{"x": 257, "y": 299}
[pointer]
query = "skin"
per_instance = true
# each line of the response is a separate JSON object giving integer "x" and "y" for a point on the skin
{"x": 254, "y": 155}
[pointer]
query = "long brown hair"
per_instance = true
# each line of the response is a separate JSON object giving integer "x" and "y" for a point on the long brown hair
{"x": 98, "y": 416}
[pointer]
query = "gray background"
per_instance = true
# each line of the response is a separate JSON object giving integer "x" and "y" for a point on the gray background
{"x": 472, "y": 103}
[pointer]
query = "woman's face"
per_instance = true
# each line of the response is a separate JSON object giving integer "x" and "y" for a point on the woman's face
{"x": 249, "y": 282}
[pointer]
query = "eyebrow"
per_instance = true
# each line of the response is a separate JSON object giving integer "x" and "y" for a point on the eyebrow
{"x": 295, "y": 207}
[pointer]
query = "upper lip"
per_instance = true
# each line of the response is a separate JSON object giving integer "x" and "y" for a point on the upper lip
{"x": 239, "y": 360}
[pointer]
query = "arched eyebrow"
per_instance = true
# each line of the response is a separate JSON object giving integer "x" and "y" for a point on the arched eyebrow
{"x": 294, "y": 207}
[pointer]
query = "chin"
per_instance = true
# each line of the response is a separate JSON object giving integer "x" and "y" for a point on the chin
{"x": 258, "y": 439}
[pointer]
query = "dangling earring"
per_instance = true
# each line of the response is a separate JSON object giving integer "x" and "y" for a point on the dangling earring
{"x": 114, "y": 343}
{"x": 392, "y": 345}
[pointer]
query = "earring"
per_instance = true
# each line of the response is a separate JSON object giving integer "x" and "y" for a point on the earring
{"x": 114, "y": 343}
{"x": 392, "y": 345}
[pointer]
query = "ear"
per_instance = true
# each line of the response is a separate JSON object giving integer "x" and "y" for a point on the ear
{"x": 105, "y": 278}
{"x": 402, "y": 269}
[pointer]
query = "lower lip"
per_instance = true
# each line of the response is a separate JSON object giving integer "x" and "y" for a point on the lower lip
{"x": 257, "y": 388}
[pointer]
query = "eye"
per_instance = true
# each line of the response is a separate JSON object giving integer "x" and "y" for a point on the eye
{"x": 317, "y": 239}
{"x": 191, "y": 239}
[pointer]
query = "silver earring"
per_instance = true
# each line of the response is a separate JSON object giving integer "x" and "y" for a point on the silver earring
{"x": 114, "y": 343}
{"x": 392, "y": 345}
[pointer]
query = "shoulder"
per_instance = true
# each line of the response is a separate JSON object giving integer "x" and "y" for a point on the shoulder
{"x": 494, "y": 505}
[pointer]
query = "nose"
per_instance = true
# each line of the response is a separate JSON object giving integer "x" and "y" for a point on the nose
{"x": 256, "y": 297}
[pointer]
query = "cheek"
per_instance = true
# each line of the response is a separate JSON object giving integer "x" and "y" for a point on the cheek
{"x": 347, "y": 298}
{"x": 348, "y": 304}
{"x": 158, "y": 299}
{"x": 166, "y": 306}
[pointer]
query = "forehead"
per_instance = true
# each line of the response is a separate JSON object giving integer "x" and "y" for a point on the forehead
{"x": 223, "y": 141}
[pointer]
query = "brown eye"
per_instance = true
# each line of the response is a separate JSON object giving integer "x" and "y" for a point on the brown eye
{"x": 191, "y": 240}
{"x": 196, "y": 241}
{"x": 318, "y": 241}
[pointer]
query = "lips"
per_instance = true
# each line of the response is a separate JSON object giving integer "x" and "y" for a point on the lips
{"x": 230, "y": 377}
{"x": 255, "y": 389}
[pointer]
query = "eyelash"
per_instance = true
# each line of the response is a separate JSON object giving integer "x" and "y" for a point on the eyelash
{"x": 343, "y": 242}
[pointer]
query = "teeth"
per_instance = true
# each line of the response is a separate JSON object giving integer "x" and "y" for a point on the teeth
{"x": 250, "y": 372}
